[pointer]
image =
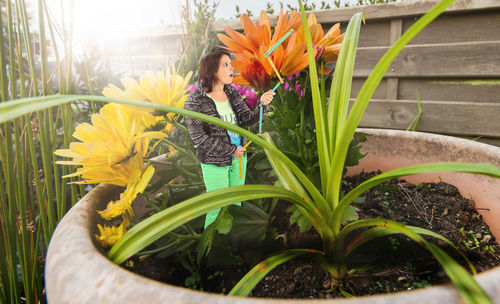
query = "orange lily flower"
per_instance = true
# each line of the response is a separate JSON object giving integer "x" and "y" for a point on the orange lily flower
{"x": 249, "y": 48}
{"x": 330, "y": 42}
{"x": 251, "y": 71}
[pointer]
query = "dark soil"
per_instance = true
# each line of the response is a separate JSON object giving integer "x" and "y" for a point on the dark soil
{"x": 397, "y": 263}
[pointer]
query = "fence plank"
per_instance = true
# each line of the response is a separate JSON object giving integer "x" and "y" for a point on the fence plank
{"x": 484, "y": 26}
{"x": 447, "y": 117}
{"x": 373, "y": 33}
{"x": 379, "y": 11}
{"x": 472, "y": 90}
{"x": 380, "y": 92}
{"x": 472, "y": 59}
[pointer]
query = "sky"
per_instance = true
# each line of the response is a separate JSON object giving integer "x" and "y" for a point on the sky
{"x": 227, "y": 7}
{"x": 93, "y": 18}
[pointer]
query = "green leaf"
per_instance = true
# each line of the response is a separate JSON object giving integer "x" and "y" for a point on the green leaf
{"x": 337, "y": 110}
{"x": 416, "y": 121}
{"x": 345, "y": 293}
{"x": 157, "y": 225}
{"x": 318, "y": 106}
{"x": 377, "y": 232}
{"x": 224, "y": 222}
{"x": 12, "y": 109}
{"x": 205, "y": 243}
{"x": 249, "y": 222}
{"x": 299, "y": 218}
{"x": 16, "y": 108}
{"x": 354, "y": 152}
{"x": 359, "y": 200}
{"x": 313, "y": 209}
{"x": 340, "y": 91}
{"x": 350, "y": 214}
{"x": 223, "y": 253}
{"x": 222, "y": 225}
{"x": 468, "y": 288}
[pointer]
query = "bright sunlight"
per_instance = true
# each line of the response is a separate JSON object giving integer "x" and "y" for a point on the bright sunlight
{"x": 100, "y": 21}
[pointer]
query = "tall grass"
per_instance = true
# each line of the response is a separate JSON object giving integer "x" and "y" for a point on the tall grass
{"x": 33, "y": 197}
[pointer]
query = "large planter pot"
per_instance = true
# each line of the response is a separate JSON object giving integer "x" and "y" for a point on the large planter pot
{"x": 77, "y": 272}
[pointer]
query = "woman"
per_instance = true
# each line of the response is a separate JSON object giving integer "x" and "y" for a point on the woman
{"x": 218, "y": 149}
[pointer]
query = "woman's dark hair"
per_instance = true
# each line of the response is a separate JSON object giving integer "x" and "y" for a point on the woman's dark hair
{"x": 209, "y": 66}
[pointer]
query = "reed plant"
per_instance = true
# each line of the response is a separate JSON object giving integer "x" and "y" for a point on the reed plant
{"x": 33, "y": 197}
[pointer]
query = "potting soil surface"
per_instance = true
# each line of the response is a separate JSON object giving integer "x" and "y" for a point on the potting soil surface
{"x": 396, "y": 263}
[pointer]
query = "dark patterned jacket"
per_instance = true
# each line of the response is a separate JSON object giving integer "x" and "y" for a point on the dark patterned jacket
{"x": 212, "y": 143}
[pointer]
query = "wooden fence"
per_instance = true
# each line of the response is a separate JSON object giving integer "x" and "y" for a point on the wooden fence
{"x": 453, "y": 65}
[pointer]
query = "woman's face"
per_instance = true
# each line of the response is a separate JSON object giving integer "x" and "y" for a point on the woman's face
{"x": 225, "y": 72}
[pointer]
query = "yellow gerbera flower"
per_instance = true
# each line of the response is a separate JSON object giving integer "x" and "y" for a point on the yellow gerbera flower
{"x": 123, "y": 206}
{"x": 161, "y": 88}
{"x": 112, "y": 148}
{"x": 108, "y": 236}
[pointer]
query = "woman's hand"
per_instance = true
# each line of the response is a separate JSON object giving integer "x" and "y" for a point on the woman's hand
{"x": 239, "y": 152}
{"x": 267, "y": 97}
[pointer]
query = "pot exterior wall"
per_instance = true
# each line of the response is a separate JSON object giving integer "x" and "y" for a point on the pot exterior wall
{"x": 77, "y": 272}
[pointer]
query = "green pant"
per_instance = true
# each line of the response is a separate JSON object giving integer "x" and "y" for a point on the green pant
{"x": 216, "y": 178}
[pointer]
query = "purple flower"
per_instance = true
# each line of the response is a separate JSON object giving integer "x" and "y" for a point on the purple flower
{"x": 286, "y": 85}
{"x": 300, "y": 91}
{"x": 248, "y": 94}
{"x": 191, "y": 88}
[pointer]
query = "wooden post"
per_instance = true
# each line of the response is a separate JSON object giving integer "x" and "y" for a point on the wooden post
{"x": 393, "y": 82}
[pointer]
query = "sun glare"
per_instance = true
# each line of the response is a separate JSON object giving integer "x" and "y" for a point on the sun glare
{"x": 100, "y": 21}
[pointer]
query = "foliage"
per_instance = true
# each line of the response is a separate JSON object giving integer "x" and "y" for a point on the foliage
{"x": 323, "y": 5}
{"x": 33, "y": 197}
{"x": 372, "y": 2}
{"x": 291, "y": 123}
{"x": 249, "y": 12}
{"x": 197, "y": 40}
{"x": 91, "y": 74}
{"x": 413, "y": 126}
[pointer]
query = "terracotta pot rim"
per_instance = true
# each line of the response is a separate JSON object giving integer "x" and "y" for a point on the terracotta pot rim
{"x": 484, "y": 148}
